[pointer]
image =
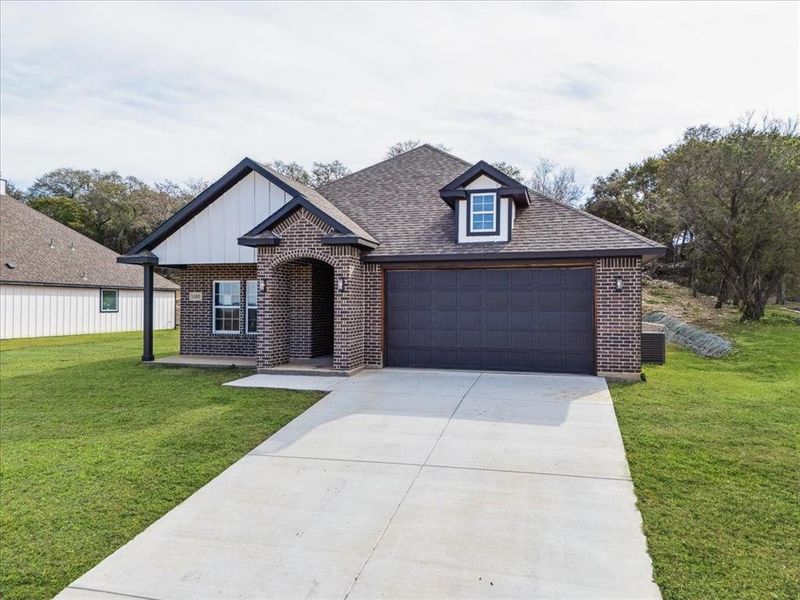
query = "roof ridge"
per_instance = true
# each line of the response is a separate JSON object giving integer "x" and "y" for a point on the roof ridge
{"x": 600, "y": 220}
{"x": 391, "y": 158}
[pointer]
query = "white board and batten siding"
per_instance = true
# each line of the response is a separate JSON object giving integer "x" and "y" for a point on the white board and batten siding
{"x": 210, "y": 237}
{"x": 37, "y": 311}
{"x": 506, "y": 219}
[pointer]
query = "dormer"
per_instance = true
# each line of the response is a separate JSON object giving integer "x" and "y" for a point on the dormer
{"x": 484, "y": 202}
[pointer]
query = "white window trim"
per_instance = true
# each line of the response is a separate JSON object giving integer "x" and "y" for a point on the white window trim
{"x": 472, "y": 212}
{"x": 247, "y": 308}
{"x": 116, "y": 293}
{"x": 215, "y": 306}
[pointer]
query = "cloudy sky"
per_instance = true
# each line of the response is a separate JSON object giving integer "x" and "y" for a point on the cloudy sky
{"x": 186, "y": 90}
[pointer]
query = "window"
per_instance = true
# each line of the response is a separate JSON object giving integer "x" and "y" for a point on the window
{"x": 482, "y": 213}
{"x": 226, "y": 307}
{"x": 109, "y": 300}
{"x": 252, "y": 307}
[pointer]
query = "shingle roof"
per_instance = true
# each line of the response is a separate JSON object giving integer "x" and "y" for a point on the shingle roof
{"x": 398, "y": 202}
{"x": 323, "y": 204}
{"x": 73, "y": 259}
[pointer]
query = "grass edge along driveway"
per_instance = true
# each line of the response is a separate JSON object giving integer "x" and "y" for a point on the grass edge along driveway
{"x": 96, "y": 446}
{"x": 713, "y": 450}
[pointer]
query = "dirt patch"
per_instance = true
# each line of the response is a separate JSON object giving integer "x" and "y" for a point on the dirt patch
{"x": 677, "y": 301}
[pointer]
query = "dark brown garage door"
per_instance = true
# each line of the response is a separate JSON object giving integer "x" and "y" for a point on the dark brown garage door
{"x": 498, "y": 319}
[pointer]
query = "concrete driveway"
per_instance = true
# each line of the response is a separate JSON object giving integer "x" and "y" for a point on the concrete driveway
{"x": 407, "y": 484}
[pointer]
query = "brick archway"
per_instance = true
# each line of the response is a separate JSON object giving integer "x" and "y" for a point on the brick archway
{"x": 279, "y": 267}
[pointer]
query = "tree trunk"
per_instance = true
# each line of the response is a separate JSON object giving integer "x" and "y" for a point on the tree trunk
{"x": 780, "y": 294}
{"x": 722, "y": 293}
{"x": 752, "y": 309}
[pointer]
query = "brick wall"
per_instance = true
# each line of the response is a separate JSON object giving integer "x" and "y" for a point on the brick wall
{"x": 619, "y": 317}
{"x": 301, "y": 244}
{"x": 197, "y": 335}
{"x": 373, "y": 315}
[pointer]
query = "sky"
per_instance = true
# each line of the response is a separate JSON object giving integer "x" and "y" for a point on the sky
{"x": 186, "y": 90}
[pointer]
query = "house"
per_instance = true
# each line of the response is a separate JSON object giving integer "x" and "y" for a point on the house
{"x": 55, "y": 281}
{"x": 422, "y": 260}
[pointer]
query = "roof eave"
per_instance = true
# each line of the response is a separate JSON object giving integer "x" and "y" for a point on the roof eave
{"x": 650, "y": 253}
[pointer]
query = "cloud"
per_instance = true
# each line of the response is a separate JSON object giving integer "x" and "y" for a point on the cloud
{"x": 185, "y": 90}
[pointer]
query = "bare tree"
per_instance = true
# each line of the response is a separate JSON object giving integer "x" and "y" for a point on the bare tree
{"x": 401, "y": 147}
{"x": 291, "y": 169}
{"x": 557, "y": 183}
{"x": 509, "y": 170}
{"x": 324, "y": 173}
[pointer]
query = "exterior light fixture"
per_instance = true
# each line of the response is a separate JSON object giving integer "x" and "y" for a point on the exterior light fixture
{"x": 340, "y": 284}
{"x": 618, "y": 283}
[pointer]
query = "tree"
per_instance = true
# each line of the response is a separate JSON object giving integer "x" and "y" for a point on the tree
{"x": 509, "y": 170}
{"x": 324, "y": 173}
{"x": 112, "y": 209}
{"x": 14, "y": 191}
{"x": 291, "y": 169}
{"x": 739, "y": 189}
{"x": 558, "y": 184}
{"x": 633, "y": 199}
{"x": 64, "y": 182}
{"x": 65, "y": 210}
{"x": 402, "y": 147}
{"x": 321, "y": 173}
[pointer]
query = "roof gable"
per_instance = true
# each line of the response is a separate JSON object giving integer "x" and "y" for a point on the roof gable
{"x": 209, "y": 195}
{"x": 346, "y": 229}
{"x": 458, "y": 188}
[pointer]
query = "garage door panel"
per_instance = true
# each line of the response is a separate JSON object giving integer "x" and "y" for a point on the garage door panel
{"x": 444, "y": 299}
{"x": 469, "y": 299}
{"x": 444, "y": 319}
{"x": 498, "y": 319}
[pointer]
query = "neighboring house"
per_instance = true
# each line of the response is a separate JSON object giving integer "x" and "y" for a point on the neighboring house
{"x": 55, "y": 281}
{"x": 422, "y": 260}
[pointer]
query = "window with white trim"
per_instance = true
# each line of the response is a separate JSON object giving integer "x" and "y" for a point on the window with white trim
{"x": 109, "y": 300}
{"x": 251, "y": 321}
{"x": 225, "y": 315}
{"x": 483, "y": 212}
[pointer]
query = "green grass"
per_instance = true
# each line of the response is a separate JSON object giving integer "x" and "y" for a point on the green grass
{"x": 95, "y": 446}
{"x": 714, "y": 449}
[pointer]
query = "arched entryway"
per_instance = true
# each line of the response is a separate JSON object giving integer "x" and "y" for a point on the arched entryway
{"x": 301, "y": 308}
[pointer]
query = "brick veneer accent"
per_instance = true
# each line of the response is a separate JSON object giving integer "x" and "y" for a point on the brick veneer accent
{"x": 373, "y": 315}
{"x": 618, "y": 317}
{"x": 301, "y": 243}
{"x": 197, "y": 335}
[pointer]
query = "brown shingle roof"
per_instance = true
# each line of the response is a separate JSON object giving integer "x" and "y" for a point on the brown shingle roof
{"x": 73, "y": 259}
{"x": 323, "y": 204}
{"x": 398, "y": 202}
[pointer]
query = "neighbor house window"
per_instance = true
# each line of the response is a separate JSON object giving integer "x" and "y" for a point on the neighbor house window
{"x": 482, "y": 213}
{"x": 252, "y": 306}
{"x": 226, "y": 307}
{"x": 109, "y": 300}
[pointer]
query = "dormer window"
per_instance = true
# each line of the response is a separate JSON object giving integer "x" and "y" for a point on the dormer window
{"x": 483, "y": 213}
{"x": 484, "y": 202}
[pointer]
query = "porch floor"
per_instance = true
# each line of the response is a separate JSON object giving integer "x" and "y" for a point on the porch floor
{"x": 202, "y": 361}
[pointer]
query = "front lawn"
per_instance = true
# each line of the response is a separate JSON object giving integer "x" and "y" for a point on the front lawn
{"x": 714, "y": 449}
{"x": 96, "y": 446}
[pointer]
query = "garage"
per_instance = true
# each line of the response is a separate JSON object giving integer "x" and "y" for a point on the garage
{"x": 507, "y": 319}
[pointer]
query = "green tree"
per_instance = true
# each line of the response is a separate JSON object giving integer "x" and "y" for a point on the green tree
{"x": 633, "y": 199}
{"x": 65, "y": 210}
{"x": 739, "y": 189}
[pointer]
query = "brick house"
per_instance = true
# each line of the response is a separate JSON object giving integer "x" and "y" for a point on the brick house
{"x": 422, "y": 260}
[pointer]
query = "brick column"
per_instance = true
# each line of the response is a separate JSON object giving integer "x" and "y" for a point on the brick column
{"x": 619, "y": 317}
